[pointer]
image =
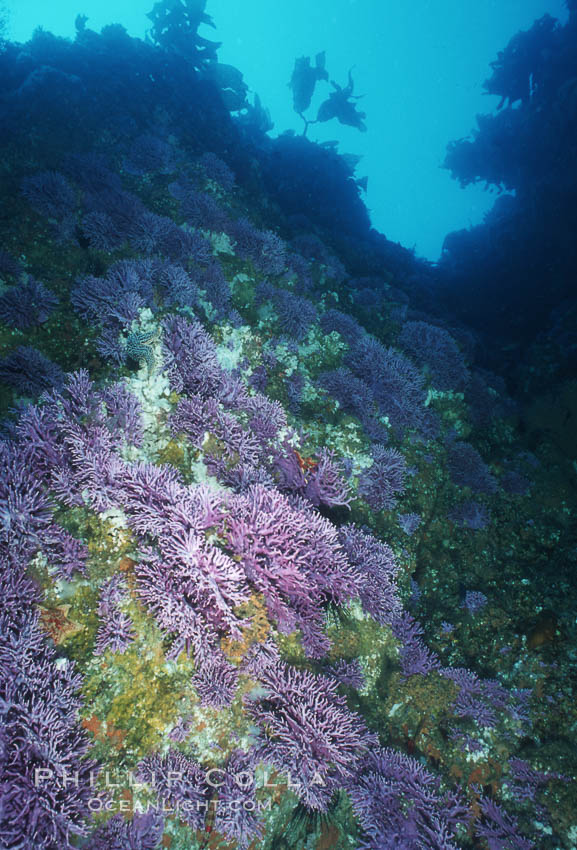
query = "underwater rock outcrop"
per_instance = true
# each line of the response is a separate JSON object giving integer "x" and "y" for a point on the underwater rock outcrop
{"x": 264, "y": 525}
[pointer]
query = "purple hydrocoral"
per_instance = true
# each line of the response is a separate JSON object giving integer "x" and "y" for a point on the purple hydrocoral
{"x": 193, "y": 416}
{"x": 182, "y": 730}
{"x": 29, "y": 372}
{"x": 111, "y": 346}
{"x": 258, "y": 379}
{"x": 134, "y": 276}
{"x": 289, "y": 474}
{"x": 514, "y": 483}
{"x": 308, "y": 731}
{"x": 266, "y": 417}
{"x": 312, "y": 248}
{"x": 292, "y": 555}
{"x": 309, "y": 245}
{"x": 294, "y": 386}
{"x": 396, "y": 384}
{"x": 39, "y": 718}
{"x": 265, "y": 249}
{"x": 226, "y": 444}
{"x": 25, "y": 510}
{"x": 216, "y": 681}
{"x": 369, "y": 298}
{"x": 477, "y": 699}
{"x": 295, "y": 313}
{"x": 487, "y": 398}
{"x": 70, "y": 442}
{"x": 264, "y": 291}
{"x": 124, "y": 412}
{"x": 235, "y": 447}
{"x": 400, "y": 805}
{"x": 122, "y": 208}
{"x": 180, "y": 782}
{"x": 384, "y": 480}
{"x": 409, "y": 522}
{"x": 216, "y": 288}
{"x": 524, "y": 781}
{"x": 18, "y": 596}
{"x": 152, "y": 233}
{"x": 215, "y": 169}
{"x": 192, "y": 588}
{"x": 352, "y": 393}
{"x": 149, "y": 154}
{"x": 436, "y": 348}
{"x": 235, "y": 813}
{"x": 333, "y": 269}
{"x": 115, "y": 633}
{"x": 499, "y": 829}
{"x": 375, "y": 564}
{"x": 39, "y": 706}
{"x": 64, "y": 552}
{"x": 100, "y": 231}
{"x": 113, "y": 592}
{"x": 116, "y": 630}
{"x": 27, "y": 304}
{"x": 348, "y": 673}
{"x": 50, "y": 194}
{"x": 91, "y": 171}
{"x": 154, "y": 499}
{"x": 176, "y": 285}
{"x": 468, "y": 469}
{"x": 325, "y": 484}
{"x": 143, "y": 832}
{"x": 10, "y": 266}
{"x": 190, "y": 358}
{"x": 355, "y": 397}
{"x": 474, "y": 601}
{"x": 321, "y": 482}
{"x": 415, "y": 656}
{"x": 242, "y": 477}
{"x": 345, "y": 325}
{"x": 198, "y": 208}
{"x": 299, "y": 270}
{"x": 397, "y": 300}
{"x": 431, "y": 426}
{"x": 260, "y": 656}
{"x": 115, "y": 299}
{"x": 114, "y": 302}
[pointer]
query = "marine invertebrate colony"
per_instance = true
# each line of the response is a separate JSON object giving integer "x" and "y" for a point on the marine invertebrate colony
{"x": 308, "y": 731}
{"x": 39, "y": 696}
{"x": 400, "y": 804}
{"x": 227, "y": 470}
{"x": 293, "y": 557}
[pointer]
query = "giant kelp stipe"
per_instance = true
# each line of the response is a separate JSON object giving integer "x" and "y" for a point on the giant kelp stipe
{"x": 287, "y": 553}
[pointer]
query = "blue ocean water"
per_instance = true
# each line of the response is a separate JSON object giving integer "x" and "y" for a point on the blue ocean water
{"x": 419, "y": 67}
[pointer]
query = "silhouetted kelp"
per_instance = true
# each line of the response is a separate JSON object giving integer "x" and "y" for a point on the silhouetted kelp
{"x": 339, "y": 104}
{"x": 519, "y": 265}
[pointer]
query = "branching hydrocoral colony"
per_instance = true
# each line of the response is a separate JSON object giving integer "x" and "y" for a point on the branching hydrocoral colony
{"x": 209, "y": 633}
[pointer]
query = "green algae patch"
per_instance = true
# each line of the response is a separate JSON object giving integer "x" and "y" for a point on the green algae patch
{"x": 108, "y": 542}
{"x": 243, "y": 287}
{"x": 172, "y": 453}
{"x": 291, "y": 648}
{"x": 137, "y": 698}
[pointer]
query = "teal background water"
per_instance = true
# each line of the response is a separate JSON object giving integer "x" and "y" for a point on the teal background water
{"x": 420, "y": 66}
